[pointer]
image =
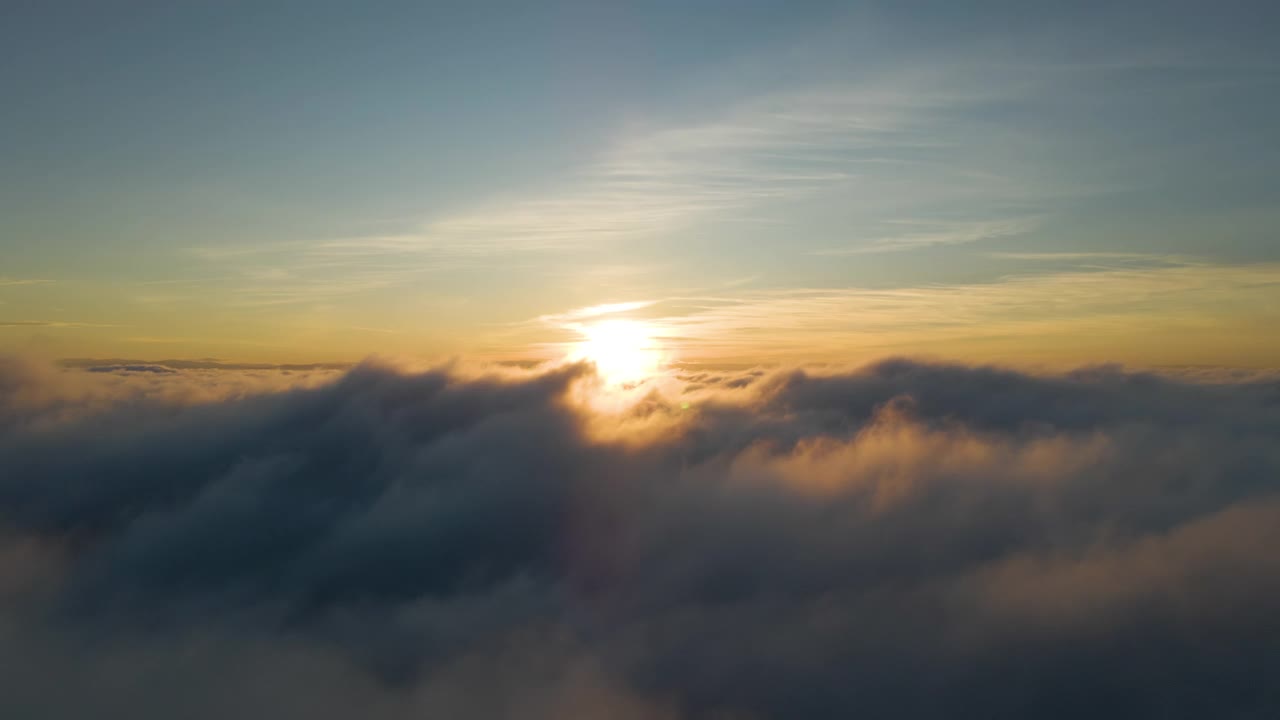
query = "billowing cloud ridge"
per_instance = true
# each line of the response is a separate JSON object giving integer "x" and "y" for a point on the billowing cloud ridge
{"x": 898, "y": 540}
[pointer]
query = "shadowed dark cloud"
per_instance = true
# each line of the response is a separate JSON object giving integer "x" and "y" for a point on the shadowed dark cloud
{"x": 900, "y": 540}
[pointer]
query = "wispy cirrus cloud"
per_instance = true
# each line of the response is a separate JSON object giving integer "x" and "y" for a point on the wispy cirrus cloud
{"x": 13, "y": 282}
{"x": 648, "y": 182}
{"x": 54, "y": 324}
{"x": 864, "y": 137}
{"x": 1104, "y": 255}
{"x": 919, "y": 234}
{"x": 594, "y": 311}
{"x": 907, "y": 146}
{"x": 904, "y": 159}
{"x": 1160, "y": 302}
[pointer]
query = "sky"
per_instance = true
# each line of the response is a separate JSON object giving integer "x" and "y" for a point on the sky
{"x": 699, "y": 360}
{"x": 1043, "y": 183}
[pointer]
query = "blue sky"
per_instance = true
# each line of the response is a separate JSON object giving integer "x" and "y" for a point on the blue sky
{"x": 327, "y": 179}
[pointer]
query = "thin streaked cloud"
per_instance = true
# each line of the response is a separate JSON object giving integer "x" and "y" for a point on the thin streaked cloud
{"x": 1119, "y": 300}
{"x": 53, "y": 324}
{"x": 594, "y": 311}
{"x": 14, "y": 282}
{"x": 771, "y": 148}
{"x": 932, "y": 233}
{"x": 1103, "y": 255}
{"x": 906, "y": 152}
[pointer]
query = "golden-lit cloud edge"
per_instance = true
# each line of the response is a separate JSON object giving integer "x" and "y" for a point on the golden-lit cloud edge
{"x": 457, "y": 541}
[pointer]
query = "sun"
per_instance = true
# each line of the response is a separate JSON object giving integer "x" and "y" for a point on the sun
{"x": 623, "y": 351}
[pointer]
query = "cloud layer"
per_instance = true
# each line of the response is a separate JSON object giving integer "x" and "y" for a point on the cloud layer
{"x": 1142, "y": 309}
{"x": 899, "y": 540}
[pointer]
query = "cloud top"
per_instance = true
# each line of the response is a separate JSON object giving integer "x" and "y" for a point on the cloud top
{"x": 903, "y": 539}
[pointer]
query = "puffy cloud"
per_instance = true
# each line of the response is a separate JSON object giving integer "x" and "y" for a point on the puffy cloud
{"x": 898, "y": 540}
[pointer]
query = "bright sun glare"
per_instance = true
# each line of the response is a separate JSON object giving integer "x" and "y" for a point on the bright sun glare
{"x": 624, "y": 351}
